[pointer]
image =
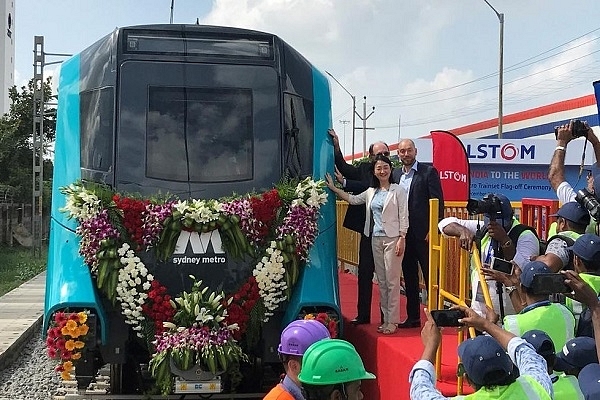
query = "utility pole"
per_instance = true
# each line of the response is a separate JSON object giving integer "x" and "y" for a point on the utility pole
{"x": 344, "y": 122}
{"x": 38, "y": 145}
{"x": 39, "y": 106}
{"x": 364, "y": 119}
{"x": 501, "y": 66}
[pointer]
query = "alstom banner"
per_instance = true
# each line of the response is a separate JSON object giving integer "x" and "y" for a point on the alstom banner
{"x": 516, "y": 151}
{"x": 516, "y": 168}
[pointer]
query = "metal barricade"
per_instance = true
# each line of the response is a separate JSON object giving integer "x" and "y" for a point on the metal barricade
{"x": 536, "y": 213}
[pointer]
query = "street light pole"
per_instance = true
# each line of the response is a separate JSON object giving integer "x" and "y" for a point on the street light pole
{"x": 500, "y": 68}
{"x": 353, "y": 110}
{"x": 344, "y": 122}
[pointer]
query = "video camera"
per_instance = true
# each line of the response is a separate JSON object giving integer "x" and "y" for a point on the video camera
{"x": 589, "y": 202}
{"x": 489, "y": 204}
{"x": 579, "y": 129}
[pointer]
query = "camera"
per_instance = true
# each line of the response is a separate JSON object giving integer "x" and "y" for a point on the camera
{"x": 579, "y": 129}
{"x": 502, "y": 265}
{"x": 447, "y": 317}
{"x": 549, "y": 283}
{"x": 489, "y": 204}
{"x": 589, "y": 202}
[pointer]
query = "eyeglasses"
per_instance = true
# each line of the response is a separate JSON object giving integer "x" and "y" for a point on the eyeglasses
{"x": 383, "y": 153}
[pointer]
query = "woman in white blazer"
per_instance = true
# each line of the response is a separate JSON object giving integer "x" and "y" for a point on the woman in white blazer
{"x": 386, "y": 224}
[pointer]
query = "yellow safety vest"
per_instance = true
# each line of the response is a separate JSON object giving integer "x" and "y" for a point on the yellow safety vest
{"x": 576, "y": 307}
{"x": 567, "y": 388}
{"x": 554, "y": 319}
{"x": 591, "y": 228}
{"x": 525, "y": 387}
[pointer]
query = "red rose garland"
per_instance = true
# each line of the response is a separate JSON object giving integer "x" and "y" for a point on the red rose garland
{"x": 241, "y": 304}
{"x": 158, "y": 306}
{"x": 133, "y": 210}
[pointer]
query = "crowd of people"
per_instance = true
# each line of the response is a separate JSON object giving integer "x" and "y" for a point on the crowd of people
{"x": 542, "y": 345}
{"x": 534, "y": 341}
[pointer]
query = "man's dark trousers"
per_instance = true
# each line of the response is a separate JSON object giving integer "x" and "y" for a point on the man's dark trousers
{"x": 416, "y": 252}
{"x": 366, "y": 268}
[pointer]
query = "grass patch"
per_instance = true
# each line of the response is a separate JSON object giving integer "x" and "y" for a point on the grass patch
{"x": 17, "y": 265}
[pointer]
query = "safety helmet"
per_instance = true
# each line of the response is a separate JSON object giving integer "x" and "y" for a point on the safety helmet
{"x": 332, "y": 361}
{"x": 299, "y": 335}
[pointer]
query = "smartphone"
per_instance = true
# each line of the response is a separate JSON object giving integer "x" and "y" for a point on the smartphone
{"x": 549, "y": 283}
{"x": 447, "y": 317}
{"x": 502, "y": 265}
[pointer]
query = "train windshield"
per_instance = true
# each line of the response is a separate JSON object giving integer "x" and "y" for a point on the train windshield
{"x": 207, "y": 129}
{"x": 183, "y": 126}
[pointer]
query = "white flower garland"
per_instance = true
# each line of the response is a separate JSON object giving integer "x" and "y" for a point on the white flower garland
{"x": 310, "y": 193}
{"x": 200, "y": 211}
{"x": 270, "y": 277}
{"x": 82, "y": 204}
{"x": 132, "y": 287}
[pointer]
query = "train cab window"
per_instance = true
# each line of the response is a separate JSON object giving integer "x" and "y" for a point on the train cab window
{"x": 199, "y": 134}
{"x": 298, "y": 141}
{"x": 96, "y": 125}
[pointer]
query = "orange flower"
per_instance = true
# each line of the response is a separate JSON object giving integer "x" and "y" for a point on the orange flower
{"x": 68, "y": 366}
{"x": 70, "y": 345}
{"x": 79, "y": 344}
{"x": 65, "y": 375}
{"x": 82, "y": 317}
{"x": 76, "y": 356}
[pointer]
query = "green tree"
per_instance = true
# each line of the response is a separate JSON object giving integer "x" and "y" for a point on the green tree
{"x": 16, "y": 138}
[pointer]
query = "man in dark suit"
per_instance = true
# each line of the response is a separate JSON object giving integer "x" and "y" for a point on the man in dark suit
{"x": 423, "y": 183}
{"x": 356, "y": 180}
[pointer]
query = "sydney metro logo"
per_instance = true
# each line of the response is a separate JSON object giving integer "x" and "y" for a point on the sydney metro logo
{"x": 200, "y": 244}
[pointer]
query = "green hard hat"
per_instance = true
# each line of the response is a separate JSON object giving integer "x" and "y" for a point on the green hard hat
{"x": 332, "y": 361}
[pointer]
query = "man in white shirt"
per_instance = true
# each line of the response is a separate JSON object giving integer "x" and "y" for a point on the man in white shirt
{"x": 521, "y": 251}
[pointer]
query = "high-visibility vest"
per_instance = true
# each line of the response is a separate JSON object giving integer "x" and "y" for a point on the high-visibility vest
{"x": 525, "y": 387}
{"x": 567, "y": 388}
{"x": 576, "y": 307}
{"x": 554, "y": 319}
{"x": 278, "y": 393}
{"x": 591, "y": 228}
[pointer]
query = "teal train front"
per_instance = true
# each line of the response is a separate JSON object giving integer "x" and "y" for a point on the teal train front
{"x": 185, "y": 112}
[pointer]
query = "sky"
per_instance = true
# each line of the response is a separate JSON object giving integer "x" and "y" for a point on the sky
{"x": 424, "y": 65}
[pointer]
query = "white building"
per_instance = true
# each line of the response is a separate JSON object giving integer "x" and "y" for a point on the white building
{"x": 7, "y": 51}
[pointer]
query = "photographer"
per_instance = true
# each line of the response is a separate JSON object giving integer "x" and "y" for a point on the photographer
{"x": 556, "y": 172}
{"x": 571, "y": 221}
{"x": 485, "y": 364}
{"x": 539, "y": 313}
{"x": 586, "y": 260}
{"x": 495, "y": 242}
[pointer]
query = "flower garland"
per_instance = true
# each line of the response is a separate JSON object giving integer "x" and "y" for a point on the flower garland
{"x": 66, "y": 339}
{"x": 198, "y": 335}
{"x": 134, "y": 282}
{"x": 270, "y": 277}
{"x": 276, "y": 228}
{"x": 330, "y": 323}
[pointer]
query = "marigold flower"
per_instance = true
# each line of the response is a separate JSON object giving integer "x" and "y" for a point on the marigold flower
{"x": 65, "y": 375}
{"x": 68, "y": 366}
{"x": 76, "y": 356}
{"x": 70, "y": 345}
{"x": 82, "y": 317}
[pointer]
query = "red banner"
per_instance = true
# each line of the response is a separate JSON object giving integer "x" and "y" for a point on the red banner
{"x": 451, "y": 160}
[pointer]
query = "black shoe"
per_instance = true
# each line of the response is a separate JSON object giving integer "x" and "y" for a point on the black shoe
{"x": 410, "y": 324}
{"x": 359, "y": 321}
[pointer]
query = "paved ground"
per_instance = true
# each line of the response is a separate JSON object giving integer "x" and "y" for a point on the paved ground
{"x": 21, "y": 313}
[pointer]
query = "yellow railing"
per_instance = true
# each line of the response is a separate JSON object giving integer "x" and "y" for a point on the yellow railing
{"x": 348, "y": 241}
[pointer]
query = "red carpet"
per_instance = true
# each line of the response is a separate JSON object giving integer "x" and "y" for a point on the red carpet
{"x": 391, "y": 357}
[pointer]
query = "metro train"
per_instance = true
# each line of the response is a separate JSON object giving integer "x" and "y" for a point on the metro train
{"x": 184, "y": 112}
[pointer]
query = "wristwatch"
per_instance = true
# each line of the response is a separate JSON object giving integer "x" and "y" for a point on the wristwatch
{"x": 509, "y": 289}
{"x": 506, "y": 244}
